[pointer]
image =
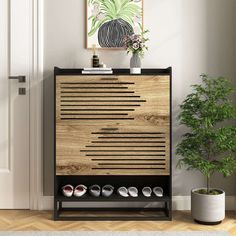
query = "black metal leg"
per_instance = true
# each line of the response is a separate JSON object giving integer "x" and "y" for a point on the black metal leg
{"x": 55, "y": 210}
{"x": 60, "y": 206}
{"x": 167, "y": 209}
{"x": 170, "y": 210}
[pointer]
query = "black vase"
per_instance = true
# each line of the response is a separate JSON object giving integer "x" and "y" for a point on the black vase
{"x": 111, "y": 34}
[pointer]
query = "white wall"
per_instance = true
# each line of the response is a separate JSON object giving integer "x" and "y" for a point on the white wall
{"x": 192, "y": 36}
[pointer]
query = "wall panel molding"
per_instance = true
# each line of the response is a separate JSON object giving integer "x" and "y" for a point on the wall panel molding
{"x": 36, "y": 105}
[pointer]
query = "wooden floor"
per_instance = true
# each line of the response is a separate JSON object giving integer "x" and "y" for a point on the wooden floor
{"x": 25, "y": 220}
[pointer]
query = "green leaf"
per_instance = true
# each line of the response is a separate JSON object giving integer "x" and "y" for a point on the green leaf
{"x": 96, "y": 27}
{"x": 127, "y": 18}
{"x": 94, "y": 21}
{"x": 209, "y": 145}
{"x": 140, "y": 26}
{"x": 109, "y": 7}
{"x": 117, "y": 8}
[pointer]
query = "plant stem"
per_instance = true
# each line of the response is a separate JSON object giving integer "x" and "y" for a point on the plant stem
{"x": 209, "y": 145}
{"x": 208, "y": 184}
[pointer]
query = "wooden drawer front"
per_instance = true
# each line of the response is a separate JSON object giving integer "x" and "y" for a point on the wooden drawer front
{"x": 112, "y": 125}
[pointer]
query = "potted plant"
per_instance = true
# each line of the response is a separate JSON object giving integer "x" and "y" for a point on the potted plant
{"x": 136, "y": 44}
{"x": 209, "y": 144}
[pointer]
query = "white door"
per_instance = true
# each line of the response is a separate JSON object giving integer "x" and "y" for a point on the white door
{"x": 14, "y": 104}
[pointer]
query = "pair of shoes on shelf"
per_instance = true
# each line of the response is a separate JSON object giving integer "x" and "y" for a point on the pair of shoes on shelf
{"x": 68, "y": 190}
{"x": 94, "y": 190}
{"x": 147, "y": 191}
{"x": 126, "y": 192}
{"x": 106, "y": 191}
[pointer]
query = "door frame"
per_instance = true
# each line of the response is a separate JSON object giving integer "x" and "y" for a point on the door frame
{"x": 36, "y": 105}
{"x": 35, "y": 16}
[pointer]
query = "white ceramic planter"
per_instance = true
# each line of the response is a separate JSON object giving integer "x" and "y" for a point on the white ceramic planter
{"x": 208, "y": 209}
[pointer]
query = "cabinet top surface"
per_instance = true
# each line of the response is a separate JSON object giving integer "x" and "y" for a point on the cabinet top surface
{"x": 148, "y": 71}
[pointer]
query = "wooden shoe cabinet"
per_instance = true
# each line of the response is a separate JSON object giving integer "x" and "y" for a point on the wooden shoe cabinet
{"x": 113, "y": 129}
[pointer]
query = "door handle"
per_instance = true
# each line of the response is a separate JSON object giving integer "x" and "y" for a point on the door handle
{"x": 20, "y": 78}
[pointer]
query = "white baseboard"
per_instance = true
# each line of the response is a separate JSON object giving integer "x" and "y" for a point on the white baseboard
{"x": 230, "y": 203}
{"x": 46, "y": 203}
{"x": 180, "y": 203}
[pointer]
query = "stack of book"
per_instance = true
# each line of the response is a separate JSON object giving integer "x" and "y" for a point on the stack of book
{"x": 97, "y": 70}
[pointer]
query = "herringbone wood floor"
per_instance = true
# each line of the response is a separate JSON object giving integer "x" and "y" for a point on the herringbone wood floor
{"x": 25, "y": 220}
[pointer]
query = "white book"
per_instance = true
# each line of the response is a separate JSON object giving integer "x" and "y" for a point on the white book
{"x": 97, "y": 72}
{"x": 97, "y": 68}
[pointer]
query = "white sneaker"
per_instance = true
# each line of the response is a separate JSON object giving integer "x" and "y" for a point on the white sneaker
{"x": 80, "y": 190}
{"x": 147, "y": 191}
{"x": 107, "y": 190}
{"x": 133, "y": 191}
{"x": 123, "y": 191}
{"x": 158, "y": 191}
{"x": 67, "y": 190}
{"x": 95, "y": 190}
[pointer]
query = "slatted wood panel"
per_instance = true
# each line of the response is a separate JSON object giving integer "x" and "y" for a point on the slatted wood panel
{"x": 98, "y": 99}
{"x": 112, "y": 125}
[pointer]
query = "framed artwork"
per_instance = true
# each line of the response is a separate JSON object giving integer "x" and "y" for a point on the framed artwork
{"x": 109, "y": 21}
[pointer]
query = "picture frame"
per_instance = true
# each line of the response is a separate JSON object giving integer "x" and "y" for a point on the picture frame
{"x": 108, "y": 21}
